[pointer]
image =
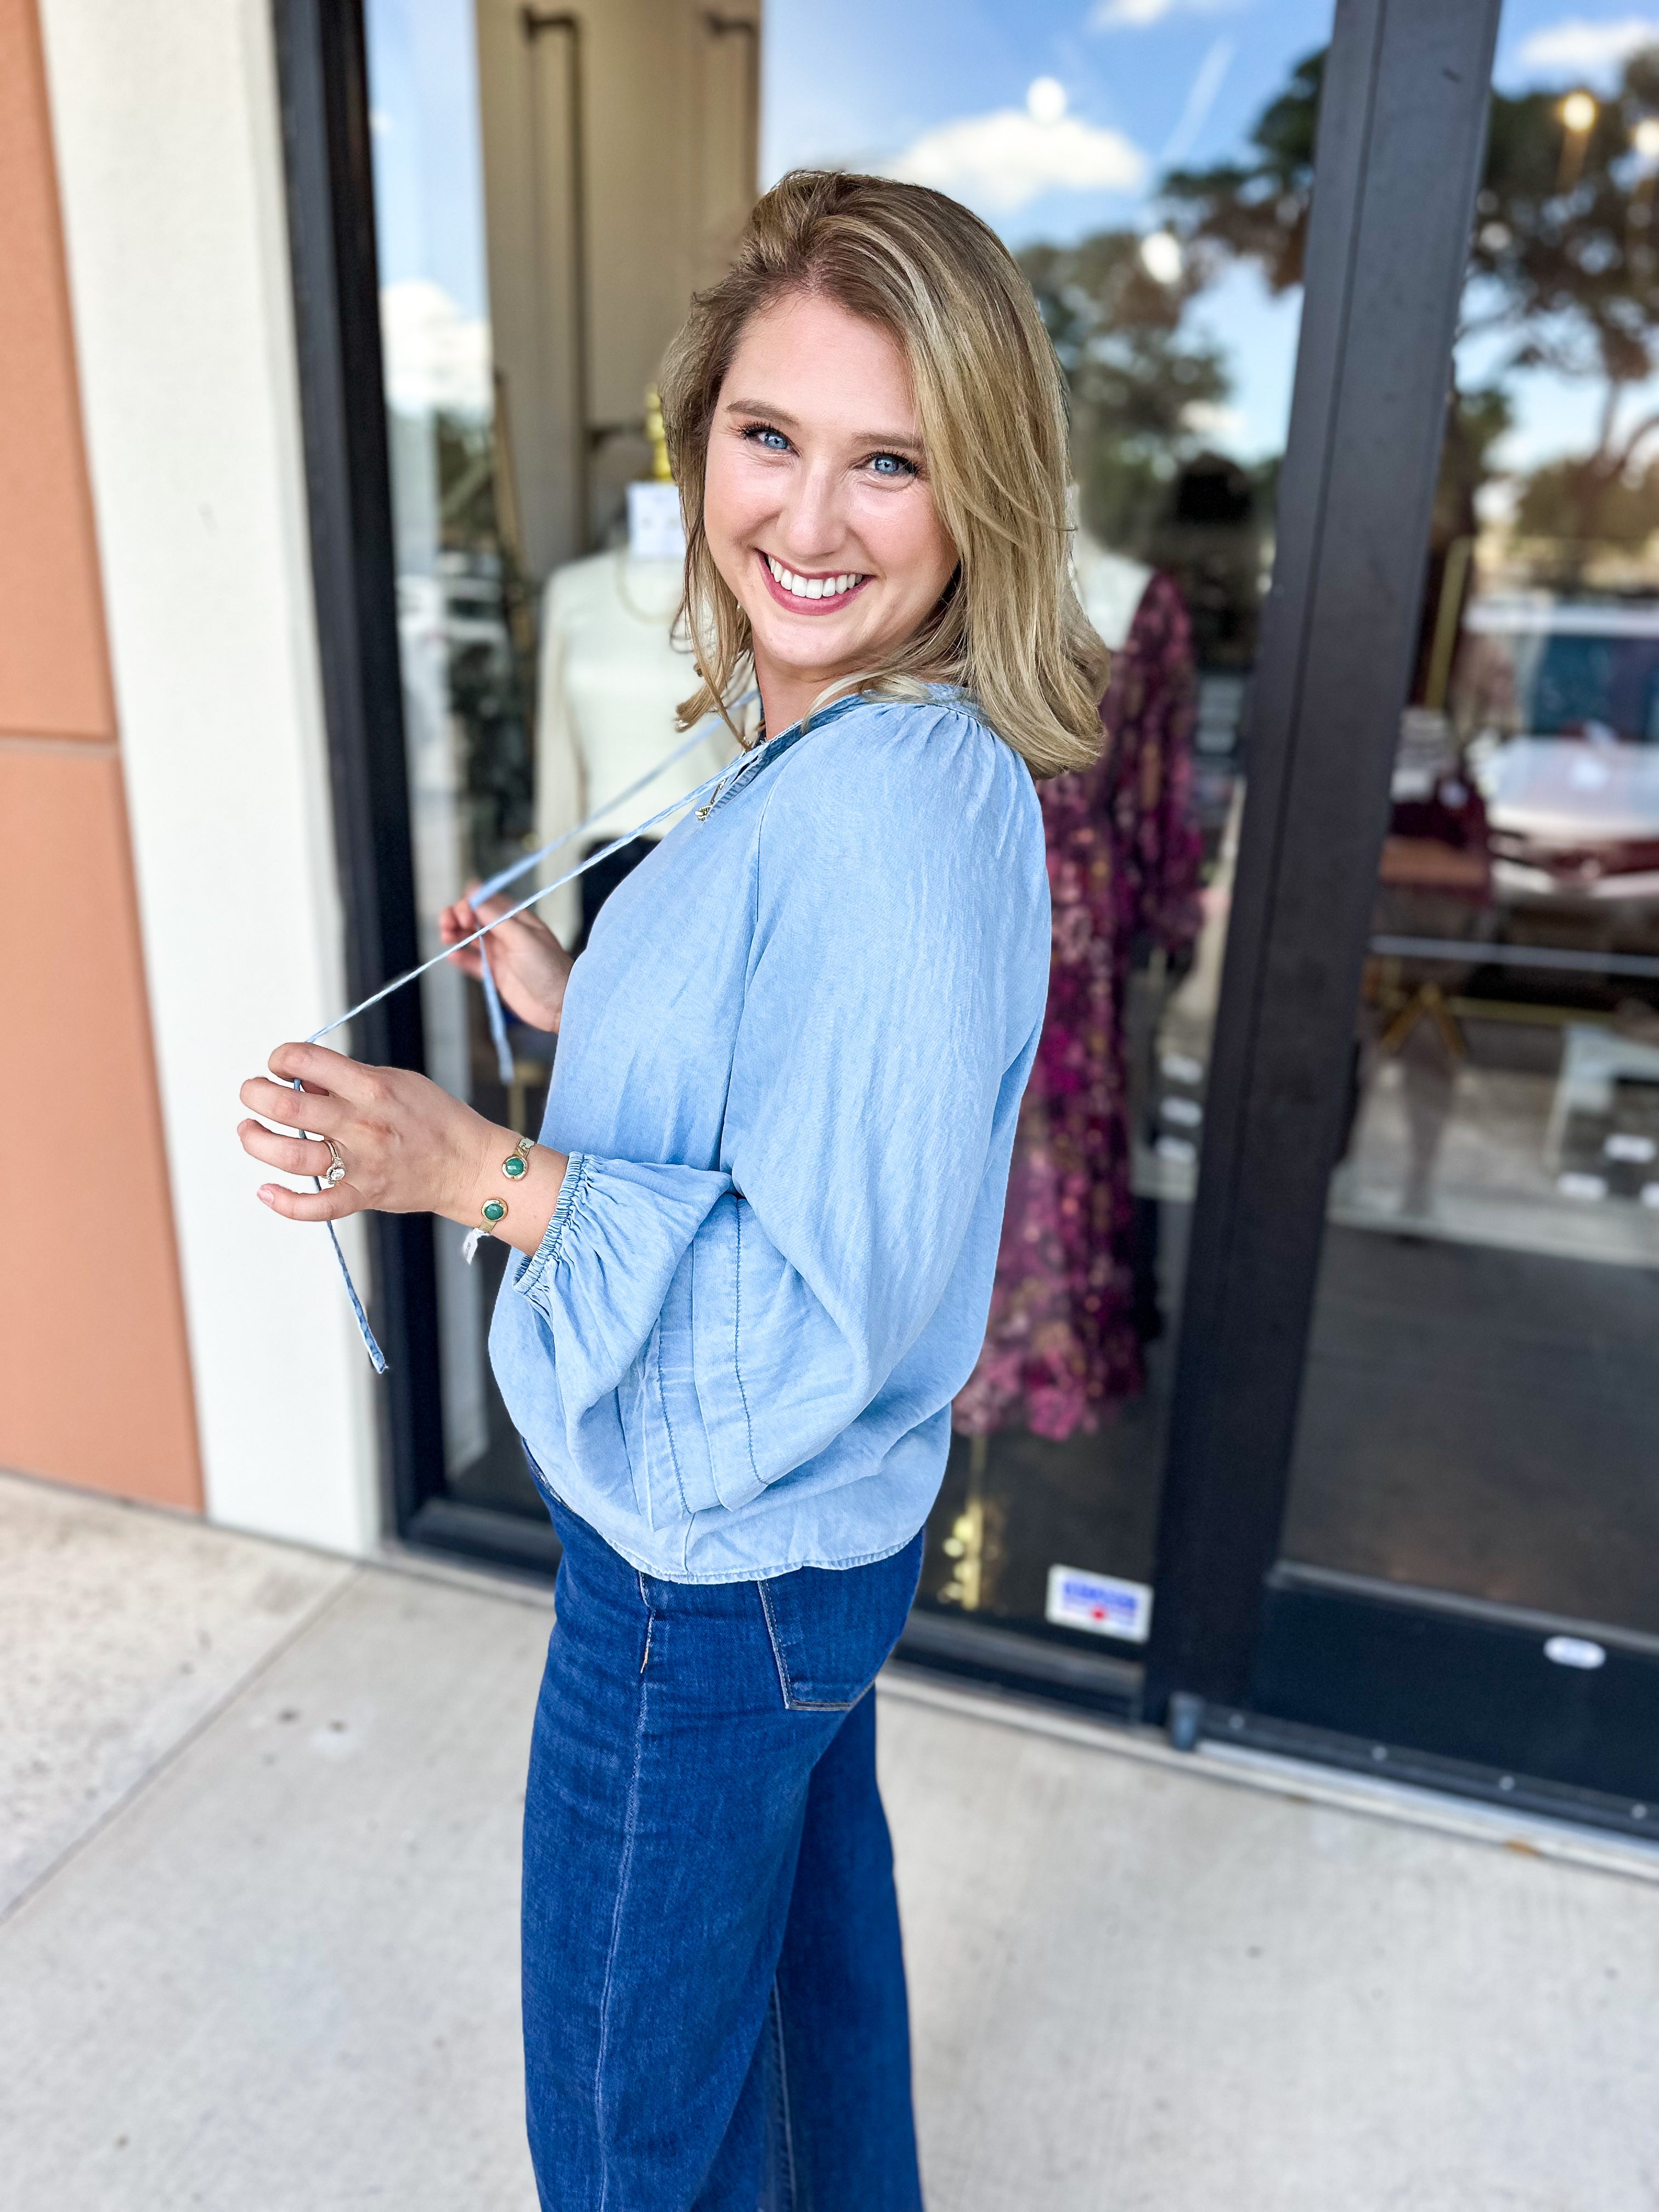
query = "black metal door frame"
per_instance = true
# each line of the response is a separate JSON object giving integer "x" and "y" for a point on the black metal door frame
{"x": 322, "y": 80}
{"x": 1402, "y": 130}
{"x": 322, "y": 77}
{"x": 1235, "y": 1637}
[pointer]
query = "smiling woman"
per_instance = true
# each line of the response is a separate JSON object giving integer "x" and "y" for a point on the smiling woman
{"x": 752, "y": 1253}
{"x": 929, "y": 506}
{"x": 835, "y": 549}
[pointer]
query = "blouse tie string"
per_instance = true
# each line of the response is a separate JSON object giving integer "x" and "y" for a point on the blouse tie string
{"x": 492, "y": 999}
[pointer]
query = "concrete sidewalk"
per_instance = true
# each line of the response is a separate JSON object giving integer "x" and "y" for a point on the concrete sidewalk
{"x": 258, "y": 1871}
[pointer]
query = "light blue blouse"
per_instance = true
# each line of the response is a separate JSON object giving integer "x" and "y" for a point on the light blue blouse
{"x": 788, "y": 1070}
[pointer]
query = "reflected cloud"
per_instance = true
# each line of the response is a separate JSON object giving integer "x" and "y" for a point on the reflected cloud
{"x": 1015, "y": 154}
{"x": 1578, "y": 48}
{"x": 1224, "y": 426}
{"x": 1137, "y": 15}
{"x": 437, "y": 357}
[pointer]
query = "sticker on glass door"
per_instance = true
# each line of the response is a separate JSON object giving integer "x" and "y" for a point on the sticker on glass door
{"x": 1099, "y": 1603}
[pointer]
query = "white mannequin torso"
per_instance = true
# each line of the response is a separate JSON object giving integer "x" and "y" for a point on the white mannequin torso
{"x": 610, "y": 682}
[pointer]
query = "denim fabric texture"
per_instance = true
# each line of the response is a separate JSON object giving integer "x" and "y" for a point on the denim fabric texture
{"x": 714, "y": 2009}
{"x": 789, "y": 1068}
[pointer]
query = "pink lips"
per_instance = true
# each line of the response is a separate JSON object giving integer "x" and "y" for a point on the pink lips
{"x": 797, "y": 606}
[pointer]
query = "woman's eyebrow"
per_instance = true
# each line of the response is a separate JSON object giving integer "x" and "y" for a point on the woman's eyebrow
{"x": 760, "y": 407}
{"x": 885, "y": 438}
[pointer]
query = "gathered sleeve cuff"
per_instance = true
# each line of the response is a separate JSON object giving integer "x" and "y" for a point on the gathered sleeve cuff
{"x": 600, "y": 1277}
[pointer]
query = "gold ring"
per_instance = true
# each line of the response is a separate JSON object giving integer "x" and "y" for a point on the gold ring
{"x": 337, "y": 1172}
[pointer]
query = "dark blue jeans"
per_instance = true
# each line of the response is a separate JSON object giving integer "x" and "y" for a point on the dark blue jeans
{"x": 714, "y": 2012}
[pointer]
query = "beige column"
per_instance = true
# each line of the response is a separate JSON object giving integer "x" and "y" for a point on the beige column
{"x": 166, "y": 133}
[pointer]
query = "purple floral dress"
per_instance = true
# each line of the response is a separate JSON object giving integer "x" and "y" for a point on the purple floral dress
{"x": 1123, "y": 867}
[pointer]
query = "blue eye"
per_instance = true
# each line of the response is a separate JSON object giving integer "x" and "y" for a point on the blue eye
{"x": 892, "y": 464}
{"x": 762, "y": 434}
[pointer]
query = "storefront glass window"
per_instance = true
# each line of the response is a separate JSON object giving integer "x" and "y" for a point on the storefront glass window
{"x": 550, "y": 185}
{"x": 1479, "y": 1412}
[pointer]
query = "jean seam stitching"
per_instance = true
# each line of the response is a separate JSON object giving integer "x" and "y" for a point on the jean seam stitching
{"x": 622, "y": 1873}
{"x": 783, "y": 2094}
{"x": 777, "y": 1648}
{"x": 796, "y": 1704}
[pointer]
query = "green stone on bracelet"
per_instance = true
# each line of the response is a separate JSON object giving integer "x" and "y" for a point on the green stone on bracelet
{"x": 494, "y": 1210}
{"x": 515, "y": 1167}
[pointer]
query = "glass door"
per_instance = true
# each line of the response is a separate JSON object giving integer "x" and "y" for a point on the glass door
{"x": 1153, "y": 178}
{"x": 1469, "y": 1561}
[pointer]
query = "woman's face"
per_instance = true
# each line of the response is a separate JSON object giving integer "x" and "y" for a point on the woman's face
{"x": 817, "y": 504}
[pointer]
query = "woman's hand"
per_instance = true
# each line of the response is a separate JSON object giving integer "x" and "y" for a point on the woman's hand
{"x": 407, "y": 1145}
{"x": 530, "y": 965}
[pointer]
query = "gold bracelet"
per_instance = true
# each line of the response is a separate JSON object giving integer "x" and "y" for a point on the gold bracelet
{"x": 516, "y": 1166}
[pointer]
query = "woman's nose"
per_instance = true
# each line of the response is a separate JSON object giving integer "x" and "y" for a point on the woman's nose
{"x": 811, "y": 523}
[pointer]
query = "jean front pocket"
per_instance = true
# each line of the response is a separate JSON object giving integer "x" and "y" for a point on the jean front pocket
{"x": 832, "y": 1627}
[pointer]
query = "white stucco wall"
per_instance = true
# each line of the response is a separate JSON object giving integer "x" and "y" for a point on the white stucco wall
{"x": 170, "y": 171}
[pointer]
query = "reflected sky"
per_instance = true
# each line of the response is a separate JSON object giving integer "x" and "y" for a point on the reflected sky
{"x": 871, "y": 81}
{"x": 944, "y": 90}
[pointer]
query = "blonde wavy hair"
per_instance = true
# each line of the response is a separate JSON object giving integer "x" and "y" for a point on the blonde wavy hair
{"x": 1008, "y": 630}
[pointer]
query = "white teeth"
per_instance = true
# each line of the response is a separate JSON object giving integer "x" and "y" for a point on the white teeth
{"x": 812, "y": 587}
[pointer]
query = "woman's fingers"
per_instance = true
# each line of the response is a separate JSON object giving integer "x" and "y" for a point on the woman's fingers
{"x": 492, "y": 909}
{"x": 293, "y": 1155}
{"x": 295, "y": 1109}
{"x": 407, "y": 1145}
{"x": 468, "y": 914}
{"x": 311, "y": 1205}
{"x": 455, "y": 924}
{"x": 481, "y": 910}
{"x": 319, "y": 1069}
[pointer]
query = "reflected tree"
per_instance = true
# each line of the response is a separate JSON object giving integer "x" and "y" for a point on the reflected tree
{"x": 1140, "y": 389}
{"x": 1564, "y": 273}
{"x": 1255, "y": 209}
{"x": 1564, "y": 264}
{"x": 491, "y": 644}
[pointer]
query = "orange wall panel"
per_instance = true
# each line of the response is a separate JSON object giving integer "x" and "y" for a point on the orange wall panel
{"x": 94, "y": 1373}
{"x": 95, "y": 1381}
{"x": 54, "y": 669}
